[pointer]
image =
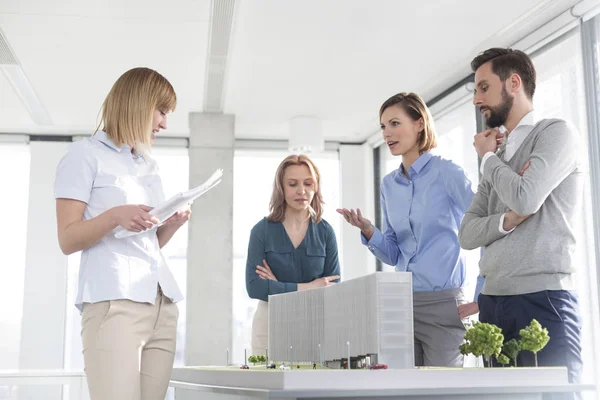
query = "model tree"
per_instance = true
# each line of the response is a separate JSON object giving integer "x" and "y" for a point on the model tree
{"x": 512, "y": 348}
{"x": 253, "y": 359}
{"x": 483, "y": 339}
{"x": 534, "y": 338}
{"x": 262, "y": 358}
{"x": 502, "y": 359}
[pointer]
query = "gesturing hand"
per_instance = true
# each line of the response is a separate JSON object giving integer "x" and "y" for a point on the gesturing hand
{"x": 355, "y": 218}
{"x": 265, "y": 272}
{"x": 134, "y": 218}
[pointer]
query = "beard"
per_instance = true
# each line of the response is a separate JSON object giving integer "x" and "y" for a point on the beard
{"x": 499, "y": 113}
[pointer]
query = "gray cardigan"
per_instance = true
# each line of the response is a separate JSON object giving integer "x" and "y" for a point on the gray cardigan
{"x": 540, "y": 253}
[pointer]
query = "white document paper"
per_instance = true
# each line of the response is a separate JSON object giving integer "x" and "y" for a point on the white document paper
{"x": 175, "y": 203}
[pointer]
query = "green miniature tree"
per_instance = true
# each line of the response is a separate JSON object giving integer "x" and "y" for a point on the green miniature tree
{"x": 512, "y": 349}
{"x": 502, "y": 359}
{"x": 262, "y": 358}
{"x": 465, "y": 350}
{"x": 483, "y": 339}
{"x": 253, "y": 359}
{"x": 534, "y": 338}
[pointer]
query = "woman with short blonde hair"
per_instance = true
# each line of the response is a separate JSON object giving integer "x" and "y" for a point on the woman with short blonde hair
{"x": 423, "y": 203}
{"x": 126, "y": 292}
{"x": 293, "y": 248}
{"x": 414, "y": 106}
{"x": 128, "y": 107}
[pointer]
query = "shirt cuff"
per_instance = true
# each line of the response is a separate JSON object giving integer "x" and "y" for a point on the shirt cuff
{"x": 501, "y": 227}
{"x": 375, "y": 242}
{"x": 483, "y": 160}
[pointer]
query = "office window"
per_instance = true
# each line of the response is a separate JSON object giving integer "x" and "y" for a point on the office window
{"x": 174, "y": 164}
{"x": 560, "y": 94}
{"x": 387, "y": 162}
{"x": 254, "y": 172}
{"x": 455, "y": 130}
{"x": 14, "y": 179}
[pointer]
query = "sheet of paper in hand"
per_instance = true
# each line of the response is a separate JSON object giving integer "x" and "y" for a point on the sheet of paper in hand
{"x": 175, "y": 203}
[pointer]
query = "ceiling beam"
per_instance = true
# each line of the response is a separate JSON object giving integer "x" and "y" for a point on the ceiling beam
{"x": 219, "y": 37}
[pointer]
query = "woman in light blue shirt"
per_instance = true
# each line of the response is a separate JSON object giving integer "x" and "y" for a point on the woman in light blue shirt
{"x": 423, "y": 203}
{"x": 126, "y": 292}
{"x": 293, "y": 248}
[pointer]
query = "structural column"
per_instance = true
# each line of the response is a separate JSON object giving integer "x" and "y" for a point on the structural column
{"x": 210, "y": 248}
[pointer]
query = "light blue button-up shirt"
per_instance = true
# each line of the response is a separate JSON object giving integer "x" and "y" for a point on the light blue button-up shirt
{"x": 103, "y": 175}
{"x": 421, "y": 217}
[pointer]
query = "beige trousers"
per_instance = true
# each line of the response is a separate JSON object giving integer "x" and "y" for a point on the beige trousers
{"x": 129, "y": 348}
{"x": 260, "y": 329}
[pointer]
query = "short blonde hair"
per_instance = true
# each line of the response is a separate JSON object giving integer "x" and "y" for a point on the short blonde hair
{"x": 416, "y": 109}
{"x": 128, "y": 109}
{"x": 277, "y": 205}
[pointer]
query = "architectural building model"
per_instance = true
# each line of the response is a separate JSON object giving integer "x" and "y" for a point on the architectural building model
{"x": 367, "y": 320}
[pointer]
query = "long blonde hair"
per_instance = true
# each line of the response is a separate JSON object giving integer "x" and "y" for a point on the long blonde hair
{"x": 128, "y": 109}
{"x": 277, "y": 205}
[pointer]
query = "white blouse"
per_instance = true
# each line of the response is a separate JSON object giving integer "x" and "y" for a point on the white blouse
{"x": 102, "y": 175}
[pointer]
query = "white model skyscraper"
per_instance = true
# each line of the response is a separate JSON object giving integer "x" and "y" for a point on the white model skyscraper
{"x": 373, "y": 313}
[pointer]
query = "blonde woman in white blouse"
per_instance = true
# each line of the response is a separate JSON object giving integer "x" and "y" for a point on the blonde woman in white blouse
{"x": 126, "y": 292}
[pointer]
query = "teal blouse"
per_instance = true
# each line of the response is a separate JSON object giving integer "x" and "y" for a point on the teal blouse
{"x": 315, "y": 257}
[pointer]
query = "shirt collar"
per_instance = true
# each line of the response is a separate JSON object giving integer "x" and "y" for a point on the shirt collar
{"x": 102, "y": 137}
{"x": 421, "y": 162}
{"x": 527, "y": 120}
{"x": 416, "y": 167}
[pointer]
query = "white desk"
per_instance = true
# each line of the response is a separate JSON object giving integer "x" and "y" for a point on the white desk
{"x": 422, "y": 384}
{"x": 412, "y": 384}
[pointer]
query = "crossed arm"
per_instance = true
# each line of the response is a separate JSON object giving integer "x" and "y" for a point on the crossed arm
{"x": 553, "y": 158}
{"x": 262, "y": 282}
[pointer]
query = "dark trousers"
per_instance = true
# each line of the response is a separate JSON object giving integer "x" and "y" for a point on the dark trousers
{"x": 555, "y": 310}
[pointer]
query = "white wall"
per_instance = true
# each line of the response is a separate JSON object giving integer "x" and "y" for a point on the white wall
{"x": 357, "y": 187}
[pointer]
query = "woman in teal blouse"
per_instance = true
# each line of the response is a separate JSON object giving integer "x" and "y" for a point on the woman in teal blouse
{"x": 293, "y": 248}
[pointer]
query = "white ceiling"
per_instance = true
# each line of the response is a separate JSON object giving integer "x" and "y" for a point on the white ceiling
{"x": 73, "y": 50}
{"x": 335, "y": 59}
